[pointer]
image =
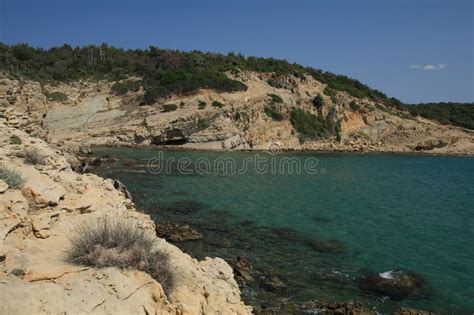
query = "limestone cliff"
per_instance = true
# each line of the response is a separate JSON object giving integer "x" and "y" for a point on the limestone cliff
{"x": 36, "y": 222}
{"x": 94, "y": 115}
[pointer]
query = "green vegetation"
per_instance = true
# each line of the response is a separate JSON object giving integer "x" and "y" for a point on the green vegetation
{"x": 202, "y": 105}
{"x": 181, "y": 104}
{"x": 354, "y": 106}
{"x": 274, "y": 114}
{"x": 275, "y": 98}
{"x": 329, "y": 92}
{"x": 15, "y": 140}
{"x": 164, "y": 72}
{"x": 217, "y": 104}
{"x": 318, "y": 102}
{"x": 120, "y": 244}
{"x": 457, "y": 114}
{"x": 203, "y": 123}
{"x": 123, "y": 87}
{"x": 169, "y": 107}
{"x": 56, "y": 96}
{"x": 11, "y": 177}
{"x": 274, "y": 82}
{"x": 18, "y": 272}
{"x": 310, "y": 126}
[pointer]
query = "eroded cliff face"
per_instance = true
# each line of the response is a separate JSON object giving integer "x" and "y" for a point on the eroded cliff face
{"x": 37, "y": 221}
{"x": 93, "y": 115}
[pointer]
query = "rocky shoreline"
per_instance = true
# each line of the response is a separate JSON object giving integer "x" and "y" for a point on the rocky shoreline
{"x": 38, "y": 215}
{"x": 36, "y": 222}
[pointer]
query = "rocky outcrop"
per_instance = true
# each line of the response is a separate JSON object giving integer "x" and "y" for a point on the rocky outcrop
{"x": 37, "y": 221}
{"x": 93, "y": 115}
{"x": 398, "y": 285}
{"x": 176, "y": 232}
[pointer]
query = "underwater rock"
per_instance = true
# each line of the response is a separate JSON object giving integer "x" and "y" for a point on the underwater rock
{"x": 183, "y": 206}
{"x": 320, "y": 220}
{"x": 242, "y": 267}
{"x": 397, "y": 285}
{"x": 175, "y": 232}
{"x": 344, "y": 308}
{"x": 412, "y": 311}
{"x": 270, "y": 281}
{"x": 315, "y": 307}
{"x": 328, "y": 246}
{"x": 290, "y": 235}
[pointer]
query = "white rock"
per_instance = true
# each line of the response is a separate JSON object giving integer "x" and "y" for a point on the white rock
{"x": 3, "y": 186}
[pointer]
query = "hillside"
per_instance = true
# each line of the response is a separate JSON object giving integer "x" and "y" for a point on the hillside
{"x": 164, "y": 72}
{"x": 108, "y": 96}
{"x": 457, "y": 114}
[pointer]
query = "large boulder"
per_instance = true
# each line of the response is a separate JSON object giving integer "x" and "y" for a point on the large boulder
{"x": 397, "y": 285}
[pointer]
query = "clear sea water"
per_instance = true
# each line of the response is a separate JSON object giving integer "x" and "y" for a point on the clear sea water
{"x": 392, "y": 212}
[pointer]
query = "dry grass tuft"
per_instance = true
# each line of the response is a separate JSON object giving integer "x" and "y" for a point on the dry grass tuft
{"x": 34, "y": 157}
{"x": 121, "y": 244}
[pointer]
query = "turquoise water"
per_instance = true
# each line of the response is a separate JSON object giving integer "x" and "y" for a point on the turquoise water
{"x": 410, "y": 213}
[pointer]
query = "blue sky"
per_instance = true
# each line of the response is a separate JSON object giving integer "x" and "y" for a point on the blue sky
{"x": 415, "y": 50}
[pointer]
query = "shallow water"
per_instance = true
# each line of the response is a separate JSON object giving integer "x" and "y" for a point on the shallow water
{"x": 410, "y": 213}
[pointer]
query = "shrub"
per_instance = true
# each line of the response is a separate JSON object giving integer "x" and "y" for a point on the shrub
{"x": 121, "y": 244}
{"x": 34, "y": 157}
{"x": 274, "y": 82}
{"x": 217, "y": 104}
{"x": 15, "y": 140}
{"x": 275, "y": 98}
{"x": 329, "y": 92}
{"x": 18, "y": 272}
{"x": 11, "y": 177}
{"x": 57, "y": 97}
{"x": 318, "y": 102}
{"x": 202, "y": 105}
{"x": 310, "y": 126}
{"x": 203, "y": 123}
{"x": 169, "y": 107}
{"x": 181, "y": 104}
{"x": 457, "y": 114}
{"x": 121, "y": 88}
{"x": 271, "y": 112}
{"x": 164, "y": 72}
{"x": 354, "y": 106}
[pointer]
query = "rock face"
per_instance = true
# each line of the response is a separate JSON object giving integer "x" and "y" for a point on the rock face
{"x": 36, "y": 223}
{"x": 95, "y": 116}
